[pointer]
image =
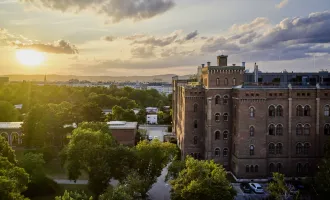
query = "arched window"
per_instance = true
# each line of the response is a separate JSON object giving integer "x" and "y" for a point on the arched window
{"x": 326, "y": 149}
{"x": 307, "y": 168}
{"x": 252, "y": 111}
{"x": 251, "y": 150}
{"x": 307, "y": 129}
{"x": 226, "y": 81}
{"x": 225, "y": 135}
{"x": 14, "y": 139}
{"x": 217, "y": 82}
{"x": 225, "y": 152}
{"x": 256, "y": 168}
{"x": 299, "y": 129}
{"x": 217, "y": 152}
{"x": 279, "y": 129}
{"x": 234, "y": 81}
{"x": 271, "y": 129}
{"x": 299, "y": 111}
{"x": 195, "y": 107}
{"x": 307, "y": 111}
{"x": 279, "y": 111}
{"x": 299, "y": 149}
{"x": 279, "y": 148}
{"x": 217, "y": 117}
{"x": 299, "y": 168}
{"x": 195, "y": 124}
{"x": 306, "y": 148}
{"x": 225, "y": 117}
{"x": 327, "y": 110}
{"x": 327, "y": 129}
{"x": 279, "y": 167}
{"x": 271, "y": 167}
{"x": 271, "y": 111}
{"x": 251, "y": 168}
{"x": 247, "y": 168}
{"x": 217, "y": 135}
{"x": 271, "y": 148}
{"x": 251, "y": 130}
{"x": 195, "y": 140}
{"x": 217, "y": 100}
{"x": 225, "y": 100}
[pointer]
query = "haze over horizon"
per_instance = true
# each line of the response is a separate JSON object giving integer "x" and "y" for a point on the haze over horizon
{"x": 154, "y": 37}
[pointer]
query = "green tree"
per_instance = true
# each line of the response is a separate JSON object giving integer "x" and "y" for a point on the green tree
{"x": 174, "y": 169}
{"x": 201, "y": 180}
{"x": 73, "y": 195}
{"x": 6, "y": 151}
{"x": 160, "y": 117}
{"x": 120, "y": 192}
{"x": 8, "y": 112}
{"x": 33, "y": 164}
{"x": 278, "y": 188}
{"x": 142, "y": 116}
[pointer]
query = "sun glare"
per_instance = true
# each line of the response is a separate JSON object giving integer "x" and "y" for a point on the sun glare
{"x": 30, "y": 57}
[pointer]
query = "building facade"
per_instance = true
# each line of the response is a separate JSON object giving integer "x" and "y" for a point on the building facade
{"x": 124, "y": 132}
{"x": 11, "y": 131}
{"x": 253, "y": 123}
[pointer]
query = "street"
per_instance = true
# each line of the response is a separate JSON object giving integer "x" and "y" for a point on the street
{"x": 155, "y": 131}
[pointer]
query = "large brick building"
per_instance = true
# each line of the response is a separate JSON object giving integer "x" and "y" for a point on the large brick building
{"x": 253, "y": 123}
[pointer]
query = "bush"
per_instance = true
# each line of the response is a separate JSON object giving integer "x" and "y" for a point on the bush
{"x": 49, "y": 152}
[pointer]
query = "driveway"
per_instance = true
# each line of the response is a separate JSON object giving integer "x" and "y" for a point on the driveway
{"x": 155, "y": 131}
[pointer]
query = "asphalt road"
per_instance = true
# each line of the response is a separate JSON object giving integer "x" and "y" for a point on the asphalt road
{"x": 155, "y": 131}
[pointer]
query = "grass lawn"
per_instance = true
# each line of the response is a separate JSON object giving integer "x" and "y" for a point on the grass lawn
{"x": 63, "y": 188}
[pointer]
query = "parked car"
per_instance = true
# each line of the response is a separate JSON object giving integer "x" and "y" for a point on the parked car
{"x": 245, "y": 188}
{"x": 256, "y": 187}
{"x": 150, "y": 137}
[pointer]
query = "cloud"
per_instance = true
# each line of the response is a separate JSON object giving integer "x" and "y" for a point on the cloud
{"x": 58, "y": 47}
{"x": 282, "y": 4}
{"x": 255, "y": 24}
{"x": 143, "y": 51}
{"x": 175, "y": 51}
{"x": 109, "y": 38}
{"x": 157, "y": 41}
{"x": 220, "y": 44}
{"x": 113, "y": 10}
{"x": 191, "y": 35}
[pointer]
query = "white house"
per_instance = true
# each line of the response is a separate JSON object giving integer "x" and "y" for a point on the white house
{"x": 152, "y": 110}
{"x": 152, "y": 119}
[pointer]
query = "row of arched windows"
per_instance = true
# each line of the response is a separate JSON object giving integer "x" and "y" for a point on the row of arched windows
{"x": 303, "y": 129}
{"x": 303, "y": 149}
{"x": 12, "y": 139}
{"x": 275, "y": 130}
{"x": 272, "y": 167}
{"x": 327, "y": 110}
{"x": 327, "y": 129}
{"x": 275, "y": 149}
{"x": 225, "y": 81}
{"x": 225, "y": 117}
{"x": 217, "y": 152}
{"x": 195, "y": 155}
{"x": 275, "y": 111}
{"x": 224, "y": 100}
{"x": 217, "y": 135}
{"x": 303, "y": 111}
{"x": 303, "y": 169}
{"x": 251, "y": 168}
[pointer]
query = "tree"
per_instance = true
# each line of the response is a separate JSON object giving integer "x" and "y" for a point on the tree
{"x": 6, "y": 151}
{"x": 8, "y": 112}
{"x": 120, "y": 192}
{"x": 33, "y": 164}
{"x": 142, "y": 116}
{"x": 201, "y": 180}
{"x": 278, "y": 188}
{"x": 322, "y": 178}
{"x": 73, "y": 195}
{"x": 174, "y": 169}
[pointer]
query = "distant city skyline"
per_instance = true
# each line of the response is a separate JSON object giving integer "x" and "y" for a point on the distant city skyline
{"x": 126, "y": 38}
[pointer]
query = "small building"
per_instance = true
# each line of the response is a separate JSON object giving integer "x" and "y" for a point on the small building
{"x": 11, "y": 131}
{"x": 107, "y": 111}
{"x": 152, "y": 119}
{"x": 124, "y": 132}
{"x": 150, "y": 110}
{"x": 19, "y": 106}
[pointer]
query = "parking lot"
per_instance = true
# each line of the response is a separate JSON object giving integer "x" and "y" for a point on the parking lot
{"x": 242, "y": 196}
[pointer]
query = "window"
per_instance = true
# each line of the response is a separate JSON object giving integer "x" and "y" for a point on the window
{"x": 251, "y": 150}
{"x": 252, "y": 111}
{"x": 299, "y": 148}
{"x": 217, "y": 117}
{"x": 217, "y": 152}
{"x": 279, "y": 111}
{"x": 306, "y": 168}
{"x": 306, "y": 148}
{"x": 271, "y": 148}
{"x": 225, "y": 100}
{"x": 225, "y": 117}
{"x": 234, "y": 81}
{"x": 257, "y": 94}
{"x": 251, "y": 168}
{"x": 271, "y": 129}
{"x": 279, "y": 167}
{"x": 303, "y": 94}
{"x": 298, "y": 94}
{"x": 217, "y": 135}
{"x": 279, "y": 129}
{"x": 247, "y": 168}
{"x": 195, "y": 124}
{"x": 271, "y": 111}
{"x": 299, "y": 111}
{"x": 217, "y": 82}
{"x": 225, "y": 135}
{"x": 279, "y": 148}
{"x": 307, "y": 129}
{"x": 281, "y": 94}
{"x": 225, "y": 152}
{"x": 217, "y": 100}
{"x": 307, "y": 111}
{"x": 270, "y": 94}
{"x": 256, "y": 168}
{"x": 299, "y": 129}
{"x": 326, "y": 110}
{"x": 327, "y": 129}
{"x": 299, "y": 168}
{"x": 195, "y": 140}
{"x": 195, "y": 107}
{"x": 251, "y": 130}
{"x": 308, "y": 94}
{"x": 271, "y": 167}
{"x": 226, "y": 81}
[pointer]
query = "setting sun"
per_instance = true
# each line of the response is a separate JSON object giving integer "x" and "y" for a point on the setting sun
{"x": 30, "y": 57}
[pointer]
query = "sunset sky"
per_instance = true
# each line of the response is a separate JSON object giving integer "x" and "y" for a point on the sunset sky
{"x": 149, "y": 37}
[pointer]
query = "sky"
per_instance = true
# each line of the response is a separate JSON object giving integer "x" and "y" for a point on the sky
{"x": 152, "y": 37}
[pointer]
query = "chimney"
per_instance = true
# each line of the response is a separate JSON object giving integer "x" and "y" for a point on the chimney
{"x": 222, "y": 60}
{"x": 203, "y": 65}
{"x": 208, "y": 64}
{"x": 243, "y": 64}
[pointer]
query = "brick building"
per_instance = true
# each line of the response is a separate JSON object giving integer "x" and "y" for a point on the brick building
{"x": 124, "y": 132}
{"x": 11, "y": 131}
{"x": 253, "y": 123}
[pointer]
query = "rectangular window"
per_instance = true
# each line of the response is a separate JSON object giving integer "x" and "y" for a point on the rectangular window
{"x": 270, "y": 94}
{"x": 308, "y": 94}
{"x": 281, "y": 94}
{"x": 303, "y": 94}
{"x": 298, "y": 94}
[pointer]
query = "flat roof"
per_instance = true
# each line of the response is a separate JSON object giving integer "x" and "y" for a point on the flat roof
{"x": 122, "y": 125}
{"x": 10, "y": 125}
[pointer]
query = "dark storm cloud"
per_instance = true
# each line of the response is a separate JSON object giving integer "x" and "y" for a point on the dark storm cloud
{"x": 58, "y": 47}
{"x": 114, "y": 10}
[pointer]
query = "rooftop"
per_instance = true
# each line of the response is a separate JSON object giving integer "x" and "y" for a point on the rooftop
{"x": 122, "y": 125}
{"x": 10, "y": 125}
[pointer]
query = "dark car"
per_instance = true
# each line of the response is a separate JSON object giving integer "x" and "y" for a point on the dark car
{"x": 245, "y": 188}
